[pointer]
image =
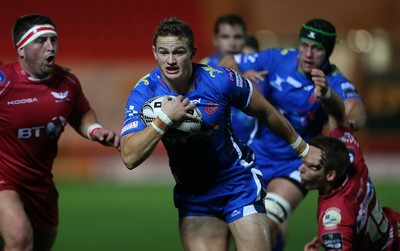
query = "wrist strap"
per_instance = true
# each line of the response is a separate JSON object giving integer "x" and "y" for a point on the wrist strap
{"x": 91, "y": 129}
{"x": 165, "y": 118}
{"x": 158, "y": 129}
{"x": 327, "y": 94}
{"x": 305, "y": 151}
{"x": 296, "y": 143}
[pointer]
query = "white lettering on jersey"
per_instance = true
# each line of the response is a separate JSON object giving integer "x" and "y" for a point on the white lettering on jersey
{"x": 347, "y": 85}
{"x": 26, "y": 133}
{"x": 277, "y": 83}
{"x": 22, "y": 101}
{"x": 293, "y": 82}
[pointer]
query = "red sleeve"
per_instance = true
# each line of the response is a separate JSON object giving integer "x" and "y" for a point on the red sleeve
{"x": 335, "y": 225}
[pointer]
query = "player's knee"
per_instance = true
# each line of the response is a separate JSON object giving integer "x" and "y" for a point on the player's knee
{"x": 278, "y": 209}
{"x": 18, "y": 240}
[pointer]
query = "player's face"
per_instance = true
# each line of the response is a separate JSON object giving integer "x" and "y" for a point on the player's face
{"x": 311, "y": 56}
{"x": 174, "y": 58}
{"x": 38, "y": 57}
{"x": 312, "y": 177}
{"x": 230, "y": 39}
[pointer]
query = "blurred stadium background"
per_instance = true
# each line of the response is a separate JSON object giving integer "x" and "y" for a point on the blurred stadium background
{"x": 107, "y": 44}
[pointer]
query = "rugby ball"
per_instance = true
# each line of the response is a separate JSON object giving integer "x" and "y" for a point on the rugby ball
{"x": 152, "y": 108}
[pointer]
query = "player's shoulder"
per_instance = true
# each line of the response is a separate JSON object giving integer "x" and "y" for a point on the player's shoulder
{"x": 64, "y": 74}
{"x": 282, "y": 52}
{"x": 213, "y": 74}
{"x": 149, "y": 80}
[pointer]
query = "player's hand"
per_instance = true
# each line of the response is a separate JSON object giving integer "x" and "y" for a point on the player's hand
{"x": 315, "y": 157}
{"x": 106, "y": 137}
{"x": 177, "y": 109}
{"x": 313, "y": 245}
{"x": 255, "y": 76}
{"x": 320, "y": 81}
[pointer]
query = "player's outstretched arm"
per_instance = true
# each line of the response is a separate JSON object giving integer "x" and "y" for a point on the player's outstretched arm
{"x": 260, "y": 108}
{"x": 89, "y": 127}
{"x": 254, "y": 76}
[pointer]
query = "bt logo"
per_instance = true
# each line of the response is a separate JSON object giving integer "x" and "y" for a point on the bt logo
{"x": 53, "y": 129}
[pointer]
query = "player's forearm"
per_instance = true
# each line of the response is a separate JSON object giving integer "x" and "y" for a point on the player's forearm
{"x": 356, "y": 114}
{"x": 136, "y": 148}
{"x": 279, "y": 125}
{"x": 87, "y": 124}
{"x": 333, "y": 105}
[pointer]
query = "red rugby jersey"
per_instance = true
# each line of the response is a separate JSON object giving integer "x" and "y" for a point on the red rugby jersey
{"x": 351, "y": 218}
{"x": 33, "y": 114}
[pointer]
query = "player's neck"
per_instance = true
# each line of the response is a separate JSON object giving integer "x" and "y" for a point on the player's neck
{"x": 181, "y": 85}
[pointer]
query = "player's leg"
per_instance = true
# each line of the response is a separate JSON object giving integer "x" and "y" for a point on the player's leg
{"x": 15, "y": 227}
{"x": 44, "y": 238}
{"x": 251, "y": 232}
{"x": 204, "y": 233}
{"x": 283, "y": 196}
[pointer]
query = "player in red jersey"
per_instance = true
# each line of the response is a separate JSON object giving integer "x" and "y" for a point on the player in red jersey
{"x": 37, "y": 99}
{"x": 349, "y": 216}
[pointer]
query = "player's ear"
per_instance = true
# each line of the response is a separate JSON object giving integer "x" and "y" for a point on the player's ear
{"x": 194, "y": 51}
{"x": 21, "y": 52}
{"x": 331, "y": 175}
{"x": 154, "y": 52}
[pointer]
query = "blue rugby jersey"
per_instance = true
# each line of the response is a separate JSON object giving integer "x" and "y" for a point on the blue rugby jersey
{"x": 213, "y": 154}
{"x": 292, "y": 93}
{"x": 242, "y": 124}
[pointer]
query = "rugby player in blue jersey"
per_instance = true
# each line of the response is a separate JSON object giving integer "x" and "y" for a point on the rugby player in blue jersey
{"x": 218, "y": 190}
{"x": 290, "y": 88}
{"x": 230, "y": 37}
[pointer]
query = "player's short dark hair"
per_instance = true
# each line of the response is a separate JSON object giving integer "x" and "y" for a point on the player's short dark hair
{"x": 252, "y": 41}
{"x": 336, "y": 154}
{"x": 24, "y": 23}
{"x": 174, "y": 26}
{"x": 231, "y": 19}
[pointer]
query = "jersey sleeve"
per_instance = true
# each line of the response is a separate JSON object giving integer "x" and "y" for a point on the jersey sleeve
{"x": 138, "y": 96}
{"x": 236, "y": 89}
{"x": 254, "y": 61}
{"x": 335, "y": 227}
{"x": 342, "y": 85}
{"x": 81, "y": 104}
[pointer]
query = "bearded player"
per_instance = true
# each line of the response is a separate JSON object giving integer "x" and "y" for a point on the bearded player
{"x": 37, "y": 100}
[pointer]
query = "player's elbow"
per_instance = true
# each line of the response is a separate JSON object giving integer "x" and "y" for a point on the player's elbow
{"x": 130, "y": 157}
{"x": 131, "y": 161}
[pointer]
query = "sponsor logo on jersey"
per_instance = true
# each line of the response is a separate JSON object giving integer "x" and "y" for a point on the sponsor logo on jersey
{"x": 131, "y": 111}
{"x": 53, "y": 129}
{"x": 131, "y": 125}
{"x": 211, "y": 107}
{"x": 211, "y": 70}
{"x": 2, "y": 77}
{"x": 22, "y": 101}
{"x": 60, "y": 96}
{"x": 332, "y": 218}
{"x": 332, "y": 241}
{"x": 235, "y": 213}
{"x": 293, "y": 82}
{"x": 277, "y": 83}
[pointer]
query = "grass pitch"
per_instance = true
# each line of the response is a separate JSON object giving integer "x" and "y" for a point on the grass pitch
{"x": 98, "y": 216}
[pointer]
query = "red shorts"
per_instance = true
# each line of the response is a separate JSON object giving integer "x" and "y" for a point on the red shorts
{"x": 41, "y": 208}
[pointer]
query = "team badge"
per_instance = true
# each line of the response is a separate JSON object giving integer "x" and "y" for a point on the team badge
{"x": 2, "y": 77}
{"x": 332, "y": 217}
{"x": 332, "y": 241}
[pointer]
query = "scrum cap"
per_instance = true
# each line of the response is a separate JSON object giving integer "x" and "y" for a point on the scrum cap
{"x": 321, "y": 32}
